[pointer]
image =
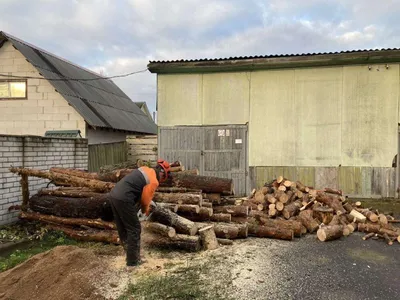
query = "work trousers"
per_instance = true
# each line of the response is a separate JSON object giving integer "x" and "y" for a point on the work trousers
{"x": 128, "y": 226}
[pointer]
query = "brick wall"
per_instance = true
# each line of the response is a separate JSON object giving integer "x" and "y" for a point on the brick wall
{"x": 34, "y": 152}
{"x": 43, "y": 110}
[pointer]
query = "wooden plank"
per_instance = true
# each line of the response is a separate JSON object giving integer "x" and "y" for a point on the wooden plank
{"x": 326, "y": 177}
{"x": 306, "y": 175}
{"x": 142, "y": 142}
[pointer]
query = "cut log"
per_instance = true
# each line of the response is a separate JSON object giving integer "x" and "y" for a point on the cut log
{"x": 358, "y": 216}
{"x": 282, "y": 188}
{"x": 177, "y": 169}
{"x": 226, "y": 231}
{"x": 271, "y": 232}
{"x": 76, "y": 173}
{"x": 179, "y": 241}
{"x": 205, "y": 183}
{"x": 160, "y": 229}
{"x": 348, "y": 207}
{"x": 214, "y": 198}
{"x": 329, "y": 233}
{"x": 50, "y": 219}
{"x": 287, "y": 183}
{"x": 333, "y": 191}
{"x": 301, "y": 187}
{"x": 77, "y": 193}
{"x": 207, "y": 204}
{"x": 225, "y": 242}
{"x": 279, "y": 179}
{"x": 383, "y": 220}
{"x": 221, "y": 218}
{"x": 368, "y": 236}
{"x": 25, "y": 191}
{"x": 206, "y": 212}
{"x": 252, "y": 205}
{"x": 243, "y": 230}
{"x": 172, "y": 207}
{"x": 169, "y": 218}
{"x": 282, "y": 197}
{"x": 323, "y": 214}
{"x": 272, "y": 212}
{"x": 338, "y": 220}
{"x": 208, "y": 238}
{"x": 96, "y": 185}
{"x": 296, "y": 226}
{"x": 236, "y": 211}
{"x": 229, "y": 201}
{"x": 271, "y": 199}
{"x": 306, "y": 218}
{"x": 291, "y": 209}
{"x": 176, "y": 190}
{"x": 298, "y": 194}
{"x": 92, "y": 208}
{"x": 259, "y": 197}
{"x": 188, "y": 208}
{"x": 240, "y": 220}
{"x": 387, "y": 239}
{"x": 331, "y": 201}
{"x": 370, "y": 215}
{"x": 266, "y": 190}
{"x": 352, "y": 227}
{"x": 194, "y": 172}
{"x": 307, "y": 205}
{"x": 179, "y": 198}
{"x": 93, "y": 235}
{"x": 279, "y": 206}
{"x": 358, "y": 204}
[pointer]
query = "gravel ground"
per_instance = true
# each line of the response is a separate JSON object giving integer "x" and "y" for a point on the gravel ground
{"x": 306, "y": 268}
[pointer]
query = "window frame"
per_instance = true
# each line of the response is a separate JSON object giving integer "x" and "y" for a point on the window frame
{"x": 15, "y": 80}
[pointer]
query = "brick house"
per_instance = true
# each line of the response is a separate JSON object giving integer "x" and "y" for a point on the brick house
{"x": 40, "y": 92}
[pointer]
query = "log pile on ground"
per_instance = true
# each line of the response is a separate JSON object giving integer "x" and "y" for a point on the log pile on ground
{"x": 198, "y": 212}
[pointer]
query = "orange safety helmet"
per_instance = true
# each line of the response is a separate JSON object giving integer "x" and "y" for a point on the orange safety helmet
{"x": 165, "y": 166}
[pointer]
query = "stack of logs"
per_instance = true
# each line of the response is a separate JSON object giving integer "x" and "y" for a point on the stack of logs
{"x": 292, "y": 206}
{"x": 195, "y": 212}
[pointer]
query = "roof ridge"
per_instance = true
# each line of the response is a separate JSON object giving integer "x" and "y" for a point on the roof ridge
{"x": 10, "y": 36}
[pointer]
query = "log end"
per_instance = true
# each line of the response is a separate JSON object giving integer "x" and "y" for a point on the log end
{"x": 321, "y": 234}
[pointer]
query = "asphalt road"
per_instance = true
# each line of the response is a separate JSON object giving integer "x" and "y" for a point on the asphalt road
{"x": 306, "y": 268}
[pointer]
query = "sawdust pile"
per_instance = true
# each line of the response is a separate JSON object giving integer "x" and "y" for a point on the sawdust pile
{"x": 66, "y": 272}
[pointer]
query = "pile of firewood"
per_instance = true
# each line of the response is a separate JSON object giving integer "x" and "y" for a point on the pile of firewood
{"x": 297, "y": 209}
{"x": 195, "y": 212}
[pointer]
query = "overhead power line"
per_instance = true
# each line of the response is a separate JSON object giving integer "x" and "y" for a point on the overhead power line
{"x": 74, "y": 79}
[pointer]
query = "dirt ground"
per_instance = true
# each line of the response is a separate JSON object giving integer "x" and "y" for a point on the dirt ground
{"x": 305, "y": 268}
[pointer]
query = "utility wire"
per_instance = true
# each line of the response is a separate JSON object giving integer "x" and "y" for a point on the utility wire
{"x": 74, "y": 79}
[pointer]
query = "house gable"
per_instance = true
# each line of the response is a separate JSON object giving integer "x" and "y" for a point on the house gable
{"x": 43, "y": 110}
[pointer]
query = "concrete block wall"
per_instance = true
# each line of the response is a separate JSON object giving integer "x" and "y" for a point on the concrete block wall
{"x": 34, "y": 152}
{"x": 43, "y": 110}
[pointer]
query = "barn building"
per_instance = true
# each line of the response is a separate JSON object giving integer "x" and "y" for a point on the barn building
{"x": 326, "y": 119}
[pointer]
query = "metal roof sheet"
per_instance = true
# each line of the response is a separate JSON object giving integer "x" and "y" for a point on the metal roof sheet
{"x": 272, "y": 56}
{"x": 100, "y": 102}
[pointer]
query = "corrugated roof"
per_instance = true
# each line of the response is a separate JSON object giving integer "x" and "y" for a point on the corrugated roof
{"x": 100, "y": 102}
{"x": 273, "y": 56}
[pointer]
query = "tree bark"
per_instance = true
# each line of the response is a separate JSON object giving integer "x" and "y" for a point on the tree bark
{"x": 176, "y": 190}
{"x": 25, "y": 191}
{"x": 291, "y": 209}
{"x": 301, "y": 187}
{"x": 306, "y": 218}
{"x": 296, "y": 226}
{"x": 208, "y": 238}
{"x": 188, "y": 208}
{"x": 179, "y": 198}
{"x": 180, "y": 241}
{"x": 348, "y": 207}
{"x": 333, "y": 191}
{"x": 383, "y": 220}
{"x": 329, "y": 233}
{"x": 104, "y": 236}
{"x": 169, "y": 218}
{"x": 271, "y": 232}
{"x": 77, "y": 193}
{"x": 368, "y": 236}
{"x": 160, "y": 229}
{"x": 91, "y": 208}
{"x": 171, "y": 206}
{"x": 75, "y": 172}
{"x": 207, "y": 204}
{"x": 323, "y": 214}
{"x": 235, "y": 211}
{"x": 96, "y": 223}
{"x": 376, "y": 228}
{"x": 96, "y": 185}
{"x": 370, "y": 215}
{"x": 331, "y": 201}
{"x": 205, "y": 183}
{"x": 225, "y": 242}
{"x": 221, "y": 218}
{"x": 213, "y": 198}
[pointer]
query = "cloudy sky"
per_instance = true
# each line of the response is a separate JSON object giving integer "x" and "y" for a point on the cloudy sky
{"x": 121, "y": 36}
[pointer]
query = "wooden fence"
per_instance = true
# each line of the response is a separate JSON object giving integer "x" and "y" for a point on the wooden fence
{"x": 106, "y": 154}
{"x": 142, "y": 147}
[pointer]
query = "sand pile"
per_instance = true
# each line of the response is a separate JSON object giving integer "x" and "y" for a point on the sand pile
{"x": 65, "y": 272}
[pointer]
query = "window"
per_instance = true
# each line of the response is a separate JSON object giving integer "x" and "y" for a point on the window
{"x": 12, "y": 89}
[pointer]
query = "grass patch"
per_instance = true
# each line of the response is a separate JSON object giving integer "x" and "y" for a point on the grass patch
{"x": 185, "y": 283}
